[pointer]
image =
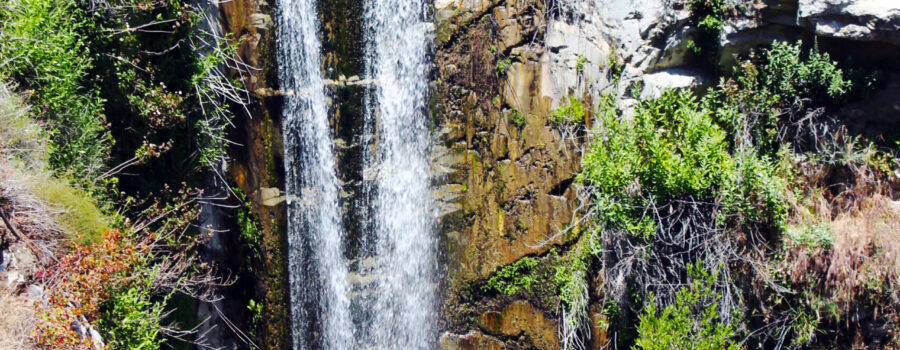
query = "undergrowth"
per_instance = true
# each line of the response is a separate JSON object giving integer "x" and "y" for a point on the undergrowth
{"x": 687, "y": 179}
{"x": 43, "y": 47}
{"x": 135, "y": 87}
{"x": 691, "y": 322}
{"x": 514, "y": 277}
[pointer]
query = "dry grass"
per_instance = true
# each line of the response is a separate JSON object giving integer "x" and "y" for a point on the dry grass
{"x": 31, "y": 218}
{"x": 30, "y": 195}
{"x": 33, "y": 205}
{"x": 866, "y": 251}
{"x": 20, "y": 137}
{"x": 841, "y": 257}
{"x": 864, "y": 258}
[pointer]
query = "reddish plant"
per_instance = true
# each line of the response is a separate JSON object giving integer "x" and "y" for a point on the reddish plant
{"x": 80, "y": 283}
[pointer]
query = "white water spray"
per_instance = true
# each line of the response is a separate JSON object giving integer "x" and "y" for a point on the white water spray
{"x": 404, "y": 307}
{"x": 317, "y": 268}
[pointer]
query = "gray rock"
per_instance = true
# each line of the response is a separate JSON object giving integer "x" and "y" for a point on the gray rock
{"x": 868, "y": 20}
{"x": 656, "y": 83}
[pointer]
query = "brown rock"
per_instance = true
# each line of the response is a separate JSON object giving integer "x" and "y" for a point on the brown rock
{"x": 520, "y": 318}
{"x": 473, "y": 340}
{"x": 599, "y": 324}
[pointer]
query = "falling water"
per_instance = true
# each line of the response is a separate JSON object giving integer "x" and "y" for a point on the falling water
{"x": 316, "y": 265}
{"x": 403, "y": 309}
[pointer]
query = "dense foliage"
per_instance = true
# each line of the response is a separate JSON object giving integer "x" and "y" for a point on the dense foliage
{"x": 108, "y": 283}
{"x": 736, "y": 178}
{"x": 514, "y": 277}
{"x": 44, "y": 47}
{"x": 691, "y": 322}
{"x": 129, "y": 86}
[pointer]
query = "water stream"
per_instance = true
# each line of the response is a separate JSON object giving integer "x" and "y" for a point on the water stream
{"x": 404, "y": 305}
{"x": 316, "y": 265}
{"x": 381, "y": 295}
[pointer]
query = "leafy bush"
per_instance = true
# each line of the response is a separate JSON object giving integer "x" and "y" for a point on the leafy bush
{"x": 771, "y": 95}
{"x": 694, "y": 321}
{"x": 131, "y": 320}
{"x": 42, "y": 45}
{"x": 672, "y": 149}
{"x": 813, "y": 236}
{"x": 571, "y": 112}
{"x": 668, "y": 169}
{"x": 579, "y": 63}
{"x": 570, "y": 278}
{"x": 708, "y": 17}
{"x": 122, "y": 82}
{"x": 792, "y": 78}
{"x": 614, "y": 67}
{"x": 517, "y": 118}
{"x": 503, "y": 66}
{"x": 513, "y": 277}
{"x": 654, "y": 178}
{"x": 754, "y": 193}
{"x": 248, "y": 224}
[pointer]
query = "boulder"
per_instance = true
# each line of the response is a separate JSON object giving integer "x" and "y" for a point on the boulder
{"x": 864, "y": 20}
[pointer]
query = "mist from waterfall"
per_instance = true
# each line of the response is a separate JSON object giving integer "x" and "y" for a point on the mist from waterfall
{"x": 316, "y": 265}
{"x": 403, "y": 307}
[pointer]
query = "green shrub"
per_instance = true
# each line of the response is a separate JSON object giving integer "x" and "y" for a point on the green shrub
{"x": 614, "y": 67}
{"x": 727, "y": 151}
{"x": 579, "y": 63}
{"x": 570, "y": 112}
{"x": 131, "y": 320}
{"x": 519, "y": 275}
{"x": 707, "y": 16}
{"x": 570, "y": 275}
{"x": 766, "y": 93}
{"x": 671, "y": 149}
{"x": 754, "y": 193}
{"x": 812, "y": 236}
{"x": 804, "y": 327}
{"x": 570, "y": 278}
{"x": 517, "y": 118}
{"x": 249, "y": 226}
{"x": 692, "y": 322}
{"x": 792, "y": 78}
{"x": 256, "y": 310}
{"x": 503, "y": 66}
{"x": 42, "y": 46}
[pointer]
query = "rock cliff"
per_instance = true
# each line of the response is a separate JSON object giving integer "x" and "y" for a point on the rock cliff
{"x": 503, "y": 67}
{"x": 505, "y": 170}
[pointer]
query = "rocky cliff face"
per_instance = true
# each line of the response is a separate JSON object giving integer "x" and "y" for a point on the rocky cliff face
{"x": 257, "y": 165}
{"x": 505, "y": 169}
{"x": 503, "y": 67}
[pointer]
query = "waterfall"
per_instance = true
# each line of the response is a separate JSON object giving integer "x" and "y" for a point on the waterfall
{"x": 383, "y": 295}
{"x": 403, "y": 309}
{"x": 316, "y": 265}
